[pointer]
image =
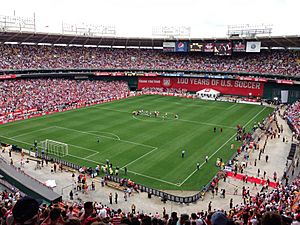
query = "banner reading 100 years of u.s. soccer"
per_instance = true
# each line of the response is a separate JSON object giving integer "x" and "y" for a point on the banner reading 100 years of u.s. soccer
{"x": 235, "y": 87}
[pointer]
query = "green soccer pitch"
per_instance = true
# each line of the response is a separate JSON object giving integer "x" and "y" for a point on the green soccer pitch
{"x": 149, "y": 147}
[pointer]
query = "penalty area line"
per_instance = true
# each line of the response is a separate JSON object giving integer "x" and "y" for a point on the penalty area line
{"x": 130, "y": 171}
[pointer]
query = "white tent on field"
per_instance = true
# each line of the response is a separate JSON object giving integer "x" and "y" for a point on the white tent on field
{"x": 207, "y": 93}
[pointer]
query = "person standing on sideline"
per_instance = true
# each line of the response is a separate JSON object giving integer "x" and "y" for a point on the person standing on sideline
{"x": 116, "y": 198}
{"x": 182, "y": 153}
{"x": 71, "y": 195}
{"x": 231, "y": 203}
{"x": 209, "y": 207}
{"x": 125, "y": 170}
{"x": 133, "y": 208}
{"x": 206, "y": 158}
{"x": 267, "y": 158}
{"x": 110, "y": 198}
{"x": 198, "y": 165}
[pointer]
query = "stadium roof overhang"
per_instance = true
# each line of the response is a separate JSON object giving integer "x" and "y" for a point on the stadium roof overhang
{"x": 64, "y": 39}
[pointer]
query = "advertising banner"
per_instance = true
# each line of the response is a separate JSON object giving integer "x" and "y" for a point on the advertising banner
{"x": 209, "y": 47}
{"x": 253, "y": 79}
{"x": 290, "y": 82}
{"x": 234, "y": 87}
{"x": 196, "y": 47}
{"x": 224, "y": 48}
{"x": 169, "y": 46}
{"x": 8, "y": 76}
{"x": 181, "y": 46}
{"x": 239, "y": 46}
{"x": 253, "y": 46}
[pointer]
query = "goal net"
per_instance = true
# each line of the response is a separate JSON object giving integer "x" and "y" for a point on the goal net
{"x": 54, "y": 148}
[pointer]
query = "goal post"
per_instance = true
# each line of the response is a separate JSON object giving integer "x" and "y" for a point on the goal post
{"x": 54, "y": 148}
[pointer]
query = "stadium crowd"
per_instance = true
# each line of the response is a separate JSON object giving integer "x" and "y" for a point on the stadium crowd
{"x": 277, "y": 207}
{"x": 46, "y": 95}
{"x": 292, "y": 114}
{"x": 42, "y": 57}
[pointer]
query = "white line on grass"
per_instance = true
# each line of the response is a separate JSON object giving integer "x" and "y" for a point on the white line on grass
{"x": 84, "y": 132}
{"x": 208, "y": 159}
{"x": 76, "y": 146}
{"x": 220, "y": 148}
{"x": 190, "y": 121}
{"x": 139, "y": 157}
{"x": 232, "y": 106}
{"x": 91, "y": 155}
{"x": 112, "y": 134}
{"x": 203, "y": 123}
{"x": 17, "y": 140}
{"x": 130, "y": 171}
{"x": 24, "y": 134}
{"x": 153, "y": 178}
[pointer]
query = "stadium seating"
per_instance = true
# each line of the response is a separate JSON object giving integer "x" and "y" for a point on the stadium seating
{"x": 46, "y": 95}
{"x": 281, "y": 202}
{"x": 42, "y": 57}
{"x": 292, "y": 115}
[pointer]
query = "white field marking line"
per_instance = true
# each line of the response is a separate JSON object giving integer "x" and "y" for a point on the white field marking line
{"x": 153, "y": 178}
{"x": 191, "y": 121}
{"x": 139, "y": 158}
{"x": 76, "y": 146}
{"x": 203, "y": 123}
{"x": 155, "y": 121}
{"x": 130, "y": 171}
{"x": 84, "y": 132}
{"x": 112, "y": 134}
{"x": 232, "y": 106}
{"x": 31, "y": 144}
{"x": 24, "y": 134}
{"x": 89, "y": 160}
{"x": 115, "y": 110}
{"x": 255, "y": 116}
{"x": 91, "y": 155}
{"x": 220, "y": 148}
{"x": 85, "y": 159}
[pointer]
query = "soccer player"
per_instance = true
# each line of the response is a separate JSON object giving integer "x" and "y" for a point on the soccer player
{"x": 198, "y": 165}
{"x": 182, "y": 153}
{"x": 98, "y": 139}
{"x": 215, "y": 129}
{"x": 206, "y": 158}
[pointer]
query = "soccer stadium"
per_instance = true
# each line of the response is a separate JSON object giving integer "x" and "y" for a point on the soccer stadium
{"x": 103, "y": 127}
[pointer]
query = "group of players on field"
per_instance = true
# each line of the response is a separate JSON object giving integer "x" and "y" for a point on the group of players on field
{"x": 155, "y": 114}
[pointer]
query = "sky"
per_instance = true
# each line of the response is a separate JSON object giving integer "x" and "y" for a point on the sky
{"x": 135, "y": 18}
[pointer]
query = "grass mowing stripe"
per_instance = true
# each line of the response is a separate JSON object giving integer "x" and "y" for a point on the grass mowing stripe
{"x": 130, "y": 171}
{"x": 161, "y": 169}
{"x": 203, "y": 123}
{"x": 221, "y": 147}
{"x": 231, "y": 107}
{"x": 208, "y": 159}
{"x": 139, "y": 158}
{"x": 84, "y": 132}
{"x": 76, "y": 146}
{"x": 26, "y": 133}
{"x": 91, "y": 155}
{"x": 184, "y": 120}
